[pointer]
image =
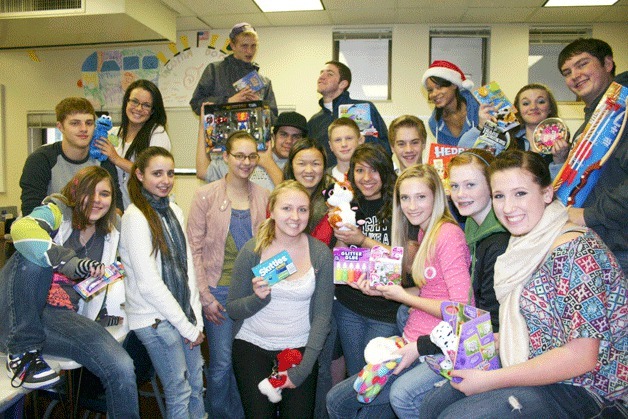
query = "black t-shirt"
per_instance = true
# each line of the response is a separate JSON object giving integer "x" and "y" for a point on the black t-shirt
{"x": 375, "y": 308}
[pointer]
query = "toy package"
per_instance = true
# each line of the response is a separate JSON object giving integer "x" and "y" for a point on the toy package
{"x": 492, "y": 139}
{"x": 547, "y": 133}
{"x": 492, "y": 94}
{"x": 275, "y": 269}
{"x": 439, "y": 157}
{"x": 222, "y": 120}
{"x": 350, "y": 263}
{"x": 361, "y": 114}
{"x": 380, "y": 266}
{"x": 595, "y": 145}
{"x": 466, "y": 338}
{"x": 385, "y": 267}
{"x": 93, "y": 284}
{"x": 252, "y": 80}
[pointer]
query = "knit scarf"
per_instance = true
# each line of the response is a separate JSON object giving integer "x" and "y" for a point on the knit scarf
{"x": 174, "y": 267}
{"x": 513, "y": 270}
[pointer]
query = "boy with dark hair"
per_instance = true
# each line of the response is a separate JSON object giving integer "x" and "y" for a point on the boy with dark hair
{"x": 588, "y": 68}
{"x": 50, "y": 167}
{"x": 333, "y": 84}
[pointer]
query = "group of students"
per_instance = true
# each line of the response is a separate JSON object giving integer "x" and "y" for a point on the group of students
{"x": 556, "y": 293}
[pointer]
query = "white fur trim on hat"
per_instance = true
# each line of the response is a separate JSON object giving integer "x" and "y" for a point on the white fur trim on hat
{"x": 448, "y": 71}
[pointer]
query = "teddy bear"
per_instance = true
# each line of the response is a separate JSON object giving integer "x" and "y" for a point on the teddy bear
{"x": 286, "y": 359}
{"x": 340, "y": 211}
{"x": 103, "y": 125}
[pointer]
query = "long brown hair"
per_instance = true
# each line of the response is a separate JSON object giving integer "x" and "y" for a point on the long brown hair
{"x": 79, "y": 195}
{"x": 140, "y": 201}
{"x": 266, "y": 233}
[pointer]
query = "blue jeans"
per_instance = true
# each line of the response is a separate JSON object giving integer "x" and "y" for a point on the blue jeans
{"x": 407, "y": 391}
{"x": 550, "y": 401}
{"x": 355, "y": 332}
{"x": 70, "y": 335}
{"x": 178, "y": 367}
{"x": 23, "y": 291}
{"x": 222, "y": 398}
{"x": 324, "y": 380}
{"x": 28, "y": 324}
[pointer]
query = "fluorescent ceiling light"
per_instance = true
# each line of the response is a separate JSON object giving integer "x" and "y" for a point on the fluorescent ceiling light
{"x": 573, "y": 3}
{"x": 533, "y": 59}
{"x": 288, "y": 5}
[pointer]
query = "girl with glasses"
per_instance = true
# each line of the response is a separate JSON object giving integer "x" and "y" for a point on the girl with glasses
{"x": 224, "y": 215}
{"x": 143, "y": 124}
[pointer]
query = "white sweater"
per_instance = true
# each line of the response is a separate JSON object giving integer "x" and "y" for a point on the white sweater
{"x": 147, "y": 297}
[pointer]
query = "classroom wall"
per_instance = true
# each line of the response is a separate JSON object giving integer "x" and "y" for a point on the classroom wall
{"x": 292, "y": 58}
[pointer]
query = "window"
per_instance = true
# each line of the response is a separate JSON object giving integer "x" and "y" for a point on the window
{"x": 468, "y": 49}
{"x": 368, "y": 55}
{"x": 545, "y": 46}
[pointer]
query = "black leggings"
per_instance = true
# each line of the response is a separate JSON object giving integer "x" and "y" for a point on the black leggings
{"x": 251, "y": 364}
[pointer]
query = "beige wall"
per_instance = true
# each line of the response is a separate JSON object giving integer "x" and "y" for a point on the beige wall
{"x": 291, "y": 57}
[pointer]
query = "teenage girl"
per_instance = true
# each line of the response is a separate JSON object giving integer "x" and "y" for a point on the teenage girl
{"x": 162, "y": 299}
{"x": 293, "y": 313}
{"x": 143, "y": 125}
{"x": 224, "y": 215}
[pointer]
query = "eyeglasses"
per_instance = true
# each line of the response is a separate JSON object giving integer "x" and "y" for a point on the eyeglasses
{"x": 145, "y": 106}
{"x": 241, "y": 157}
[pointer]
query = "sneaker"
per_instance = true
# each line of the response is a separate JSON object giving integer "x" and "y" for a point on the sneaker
{"x": 30, "y": 370}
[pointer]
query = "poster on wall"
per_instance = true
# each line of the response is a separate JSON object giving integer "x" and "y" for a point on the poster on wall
{"x": 175, "y": 68}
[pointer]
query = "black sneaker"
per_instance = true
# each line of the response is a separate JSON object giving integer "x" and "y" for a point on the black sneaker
{"x": 30, "y": 370}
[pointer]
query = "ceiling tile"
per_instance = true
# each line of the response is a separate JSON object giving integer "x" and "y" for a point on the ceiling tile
{"x": 516, "y": 4}
{"x": 363, "y": 16}
{"x": 228, "y": 20}
{"x": 310, "y": 18}
{"x": 618, "y": 14}
{"x": 425, "y": 15}
{"x": 357, "y": 5}
{"x": 497, "y": 15}
{"x": 566, "y": 14}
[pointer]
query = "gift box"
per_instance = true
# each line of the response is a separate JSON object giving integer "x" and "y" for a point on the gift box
{"x": 222, "y": 120}
{"x": 466, "y": 337}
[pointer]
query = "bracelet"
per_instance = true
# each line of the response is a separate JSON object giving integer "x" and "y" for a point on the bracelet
{"x": 363, "y": 240}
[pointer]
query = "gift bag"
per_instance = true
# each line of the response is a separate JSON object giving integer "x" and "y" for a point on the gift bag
{"x": 466, "y": 337}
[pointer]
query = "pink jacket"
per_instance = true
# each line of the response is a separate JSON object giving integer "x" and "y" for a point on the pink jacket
{"x": 208, "y": 226}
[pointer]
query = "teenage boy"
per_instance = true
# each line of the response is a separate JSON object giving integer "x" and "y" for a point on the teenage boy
{"x": 407, "y": 136}
{"x": 288, "y": 129}
{"x": 49, "y": 168}
{"x": 588, "y": 68}
{"x": 344, "y": 137}
{"x": 216, "y": 83}
{"x": 333, "y": 84}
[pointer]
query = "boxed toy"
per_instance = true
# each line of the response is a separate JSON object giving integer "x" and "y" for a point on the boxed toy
{"x": 361, "y": 114}
{"x": 350, "y": 263}
{"x": 593, "y": 147}
{"x": 492, "y": 140}
{"x": 275, "y": 269}
{"x": 252, "y": 80}
{"x": 384, "y": 266}
{"x": 93, "y": 284}
{"x": 380, "y": 266}
{"x": 222, "y": 120}
{"x": 492, "y": 94}
{"x": 466, "y": 338}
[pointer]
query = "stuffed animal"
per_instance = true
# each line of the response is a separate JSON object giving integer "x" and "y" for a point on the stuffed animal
{"x": 340, "y": 211}
{"x": 381, "y": 361}
{"x": 444, "y": 337}
{"x": 286, "y": 359}
{"x": 103, "y": 125}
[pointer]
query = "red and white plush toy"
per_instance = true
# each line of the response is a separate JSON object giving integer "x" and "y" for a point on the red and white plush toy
{"x": 286, "y": 359}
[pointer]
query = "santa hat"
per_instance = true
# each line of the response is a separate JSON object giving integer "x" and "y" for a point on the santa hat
{"x": 448, "y": 71}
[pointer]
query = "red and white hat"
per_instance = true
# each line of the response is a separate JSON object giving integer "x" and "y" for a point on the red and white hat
{"x": 448, "y": 71}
